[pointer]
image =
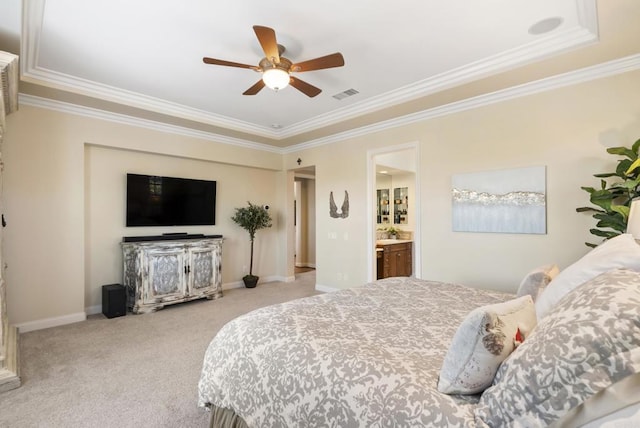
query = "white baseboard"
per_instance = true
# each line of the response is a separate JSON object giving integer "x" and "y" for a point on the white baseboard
{"x": 231, "y": 285}
{"x": 307, "y": 264}
{"x": 93, "y": 310}
{"x": 51, "y": 322}
{"x": 273, "y": 278}
{"x": 97, "y": 309}
{"x": 263, "y": 280}
{"x": 326, "y": 289}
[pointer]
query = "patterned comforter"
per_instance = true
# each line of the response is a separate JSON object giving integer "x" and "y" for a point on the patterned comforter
{"x": 367, "y": 356}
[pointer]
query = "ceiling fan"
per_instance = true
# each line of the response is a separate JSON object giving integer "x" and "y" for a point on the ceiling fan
{"x": 276, "y": 70}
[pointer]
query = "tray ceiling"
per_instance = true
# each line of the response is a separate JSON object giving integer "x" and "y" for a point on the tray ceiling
{"x": 144, "y": 58}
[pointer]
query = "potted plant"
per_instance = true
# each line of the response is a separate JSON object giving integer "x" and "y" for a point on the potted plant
{"x": 393, "y": 232}
{"x": 252, "y": 218}
{"x": 612, "y": 200}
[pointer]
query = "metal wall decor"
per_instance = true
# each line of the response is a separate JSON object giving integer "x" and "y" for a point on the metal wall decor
{"x": 333, "y": 208}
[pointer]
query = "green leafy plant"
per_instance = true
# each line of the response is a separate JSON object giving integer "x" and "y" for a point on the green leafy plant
{"x": 252, "y": 218}
{"x": 392, "y": 230}
{"x": 613, "y": 200}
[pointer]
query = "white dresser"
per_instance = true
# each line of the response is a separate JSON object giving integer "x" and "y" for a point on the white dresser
{"x": 163, "y": 272}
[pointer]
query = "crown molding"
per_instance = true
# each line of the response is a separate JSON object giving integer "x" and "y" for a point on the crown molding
{"x": 85, "y": 87}
{"x": 32, "y": 19}
{"x": 30, "y": 100}
{"x": 611, "y": 68}
{"x": 588, "y": 14}
{"x": 552, "y": 44}
{"x": 542, "y": 47}
{"x": 619, "y": 66}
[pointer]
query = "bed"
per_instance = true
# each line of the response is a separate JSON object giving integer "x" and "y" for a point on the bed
{"x": 410, "y": 352}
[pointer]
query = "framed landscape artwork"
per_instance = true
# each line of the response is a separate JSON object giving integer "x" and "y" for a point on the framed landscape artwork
{"x": 505, "y": 201}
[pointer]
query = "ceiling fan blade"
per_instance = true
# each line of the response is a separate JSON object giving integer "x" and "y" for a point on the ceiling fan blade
{"x": 267, "y": 38}
{"x": 228, "y": 63}
{"x": 304, "y": 87}
{"x": 328, "y": 61}
{"x": 255, "y": 88}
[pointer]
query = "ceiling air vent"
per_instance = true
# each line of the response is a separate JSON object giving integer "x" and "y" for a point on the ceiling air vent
{"x": 345, "y": 94}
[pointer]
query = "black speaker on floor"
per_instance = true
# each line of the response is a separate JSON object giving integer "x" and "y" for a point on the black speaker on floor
{"x": 114, "y": 300}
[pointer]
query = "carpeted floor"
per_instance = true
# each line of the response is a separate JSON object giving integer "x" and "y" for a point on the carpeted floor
{"x": 132, "y": 371}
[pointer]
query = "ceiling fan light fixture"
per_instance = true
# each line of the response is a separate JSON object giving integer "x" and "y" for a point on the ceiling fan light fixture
{"x": 276, "y": 69}
{"x": 276, "y": 78}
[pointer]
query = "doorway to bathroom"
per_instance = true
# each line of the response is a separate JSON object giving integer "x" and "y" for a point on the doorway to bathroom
{"x": 394, "y": 211}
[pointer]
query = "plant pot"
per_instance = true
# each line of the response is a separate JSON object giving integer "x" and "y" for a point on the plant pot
{"x": 250, "y": 281}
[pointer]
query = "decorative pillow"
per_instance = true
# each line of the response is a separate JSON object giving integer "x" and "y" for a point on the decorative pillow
{"x": 619, "y": 252}
{"x": 484, "y": 339}
{"x": 613, "y": 404}
{"x": 535, "y": 281}
{"x": 590, "y": 341}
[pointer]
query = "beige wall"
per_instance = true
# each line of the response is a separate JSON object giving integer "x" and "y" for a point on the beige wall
{"x": 341, "y": 250}
{"x": 58, "y": 252}
{"x": 64, "y": 203}
{"x": 106, "y": 170}
{"x": 43, "y": 188}
{"x": 561, "y": 129}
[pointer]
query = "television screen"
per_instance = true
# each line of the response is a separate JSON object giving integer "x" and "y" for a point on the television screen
{"x": 167, "y": 201}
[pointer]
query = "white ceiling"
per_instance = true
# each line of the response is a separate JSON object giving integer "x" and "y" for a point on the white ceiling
{"x": 148, "y": 54}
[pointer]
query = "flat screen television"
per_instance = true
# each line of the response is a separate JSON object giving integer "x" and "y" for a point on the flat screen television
{"x": 168, "y": 201}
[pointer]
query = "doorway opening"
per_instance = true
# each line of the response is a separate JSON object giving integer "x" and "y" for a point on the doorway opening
{"x": 304, "y": 203}
{"x": 393, "y": 208}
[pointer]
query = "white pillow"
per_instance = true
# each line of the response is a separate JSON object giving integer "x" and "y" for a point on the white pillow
{"x": 619, "y": 252}
{"x": 482, "y": 342}
{"x": 589, "y": 343}
{"x": 537, "y": 280}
